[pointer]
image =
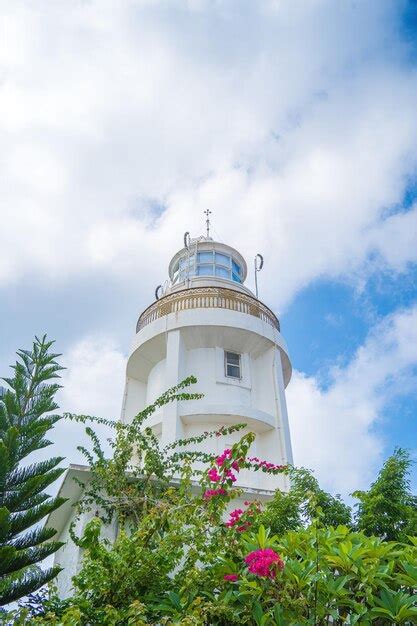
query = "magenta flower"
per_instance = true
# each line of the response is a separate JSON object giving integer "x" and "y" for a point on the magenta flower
{"x": 264, "y": 562}
{"x": 230, "y": 476}
{"x": 211, "y": 493}
{"x": 214, "y": 475}
{"x": 269, "y": 467}
{"x": 234, "y": 517}
{"x": 227, "y": 454}
{"x": 231, "y": 577}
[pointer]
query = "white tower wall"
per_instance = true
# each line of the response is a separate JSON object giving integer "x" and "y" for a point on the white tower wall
{"x": 187, "y": 331}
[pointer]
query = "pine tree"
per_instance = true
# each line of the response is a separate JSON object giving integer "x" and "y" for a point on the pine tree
{"x": 25, "y": 418}
{"x": 389, "y": 509}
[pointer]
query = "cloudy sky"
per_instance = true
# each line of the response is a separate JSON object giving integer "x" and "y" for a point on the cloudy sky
{"x": 295, "y": 122}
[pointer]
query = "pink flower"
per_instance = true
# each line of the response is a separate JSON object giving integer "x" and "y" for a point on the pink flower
{"x": 227, "y": 454}
{"x": 214, "y": 475}
{"x": 231, "y": 476}
{"x": 269, "y": 467}
{"x": 234, "y": 517}
{"x": 232, "y": 577}
{"x": 235, "y": 466}
{"x": 210, "y": 493}
{"x": 264, "y": 562}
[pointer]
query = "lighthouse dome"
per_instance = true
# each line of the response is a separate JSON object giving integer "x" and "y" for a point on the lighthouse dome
{"x": 205, "y": 262}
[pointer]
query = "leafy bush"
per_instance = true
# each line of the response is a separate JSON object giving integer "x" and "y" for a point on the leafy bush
{"x": 181, "y": 558}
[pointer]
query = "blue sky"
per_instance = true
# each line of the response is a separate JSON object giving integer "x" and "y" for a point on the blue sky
{"x": 294, "y": 122}
{"x": 328, "y": 322}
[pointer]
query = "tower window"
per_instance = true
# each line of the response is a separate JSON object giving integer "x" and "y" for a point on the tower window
{"x": 232, "y": 365}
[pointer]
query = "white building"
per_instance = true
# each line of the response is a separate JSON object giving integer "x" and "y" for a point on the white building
{"x": 205, "y": 322}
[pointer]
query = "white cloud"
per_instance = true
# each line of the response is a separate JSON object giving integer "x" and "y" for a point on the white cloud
{"x": 92, "y": 385}
{"x": 396, "y": 240}
{"x": 94, "y": 378}
{"x": 333, "y": 428}
{"x": 294, "y": 122}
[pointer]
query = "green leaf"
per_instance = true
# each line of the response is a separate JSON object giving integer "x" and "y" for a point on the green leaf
{"x": 262, "y": 537}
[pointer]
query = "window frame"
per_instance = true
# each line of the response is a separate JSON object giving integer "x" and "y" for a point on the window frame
{"x": 239, "y": 365}
{"x": 187, "y": 267}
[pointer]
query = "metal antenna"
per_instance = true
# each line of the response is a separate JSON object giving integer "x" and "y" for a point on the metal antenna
{"x": 259, "y": 263}
{"x": 208, "y": 213}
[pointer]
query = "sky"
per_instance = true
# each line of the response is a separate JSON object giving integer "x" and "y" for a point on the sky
{"x": 294, "y": 122}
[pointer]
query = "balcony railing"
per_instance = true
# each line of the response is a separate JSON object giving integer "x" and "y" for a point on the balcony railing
{"x": 207, "y": 298}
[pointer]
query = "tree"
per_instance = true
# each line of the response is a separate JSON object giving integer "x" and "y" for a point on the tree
{"x": 25, "y": 418}
{"x": 304, "y": 502}
{"x": 389, "y": 509}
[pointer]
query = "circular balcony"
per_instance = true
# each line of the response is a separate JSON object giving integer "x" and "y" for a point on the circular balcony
{"x": 207, "y": 298}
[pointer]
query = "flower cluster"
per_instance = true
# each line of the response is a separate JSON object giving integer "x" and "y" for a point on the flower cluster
{"x": 234, "y": 517}
{"x": 264, "y": 562}
{"x": 230, "y": 476}
{"x": 214, "y": 475}
{"x": 222, "y": 473}
{"x": 243, "y": 518}
{"x": 225, "y": 456}
{"x": 231, "y": 577}
{"x": 269, "y": 467}
{"x": 210, "y": 493}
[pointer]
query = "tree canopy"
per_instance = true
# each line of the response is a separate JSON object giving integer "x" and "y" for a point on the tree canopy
{"x": 389, "y": 509}
{"x": 26, "y": 415}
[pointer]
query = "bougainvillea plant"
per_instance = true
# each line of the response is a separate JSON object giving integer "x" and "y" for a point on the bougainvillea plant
{"x": 192, "y": 551}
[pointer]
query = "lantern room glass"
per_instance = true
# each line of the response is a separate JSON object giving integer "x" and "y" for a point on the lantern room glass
{"x": 207, "y": 263}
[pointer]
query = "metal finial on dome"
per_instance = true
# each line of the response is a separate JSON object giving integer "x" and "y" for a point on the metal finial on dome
{"x": 207, "y": 212}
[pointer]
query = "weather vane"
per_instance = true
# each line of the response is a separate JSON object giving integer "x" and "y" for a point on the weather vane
{"x": 208, "y": 213}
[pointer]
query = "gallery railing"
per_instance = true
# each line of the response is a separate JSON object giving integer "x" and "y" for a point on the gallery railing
{"x": 207, "y": 298}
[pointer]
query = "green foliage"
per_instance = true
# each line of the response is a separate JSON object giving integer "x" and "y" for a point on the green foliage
{"x": 25, "y": 418}
{"x": 303, "y": 503}
{"x": 389, "y": 509}
{"x": 177, "y": 561}
{"x": 329, "y": 574}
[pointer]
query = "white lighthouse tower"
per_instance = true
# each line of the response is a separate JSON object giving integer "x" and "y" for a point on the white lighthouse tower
{"x": 206, "y": 322}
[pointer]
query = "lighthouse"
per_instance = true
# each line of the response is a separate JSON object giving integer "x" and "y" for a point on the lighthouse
{"x": 206, "y": 322}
